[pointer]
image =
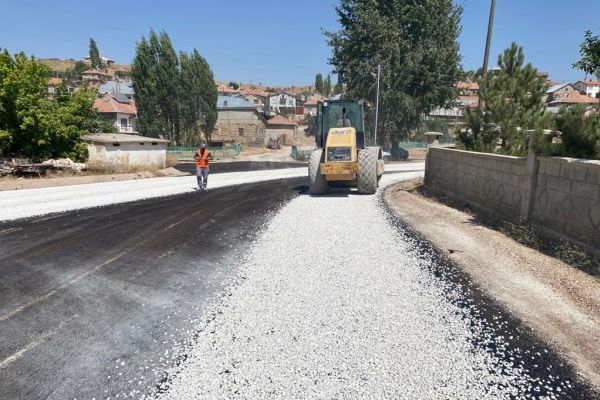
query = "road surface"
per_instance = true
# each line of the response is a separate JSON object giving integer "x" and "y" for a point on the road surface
{"x": 254, "y": 291}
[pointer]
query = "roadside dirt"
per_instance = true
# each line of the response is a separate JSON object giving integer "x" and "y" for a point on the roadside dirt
{"x": 34, "y": 183}
{"x": 558, "y": 302}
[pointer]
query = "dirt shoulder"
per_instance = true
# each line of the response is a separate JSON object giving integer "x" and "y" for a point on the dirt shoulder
{"x": 560, "y": 303}
{"x": 35, "y": 183}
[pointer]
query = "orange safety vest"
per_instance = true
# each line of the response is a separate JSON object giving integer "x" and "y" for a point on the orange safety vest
{"x": 202, "y": 161}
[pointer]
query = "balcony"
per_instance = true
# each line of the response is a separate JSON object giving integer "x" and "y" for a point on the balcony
{"x": 126, "y": 129}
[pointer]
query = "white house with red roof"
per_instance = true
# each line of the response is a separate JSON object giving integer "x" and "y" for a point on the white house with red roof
{"x": 94, "y": 76}
{"x": 118, "y": 109}
{"x": 591, "y": 88}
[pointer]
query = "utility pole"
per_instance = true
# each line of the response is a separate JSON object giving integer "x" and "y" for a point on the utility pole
{"x": 488, "y": 41}
{"x": 377, "y": 103}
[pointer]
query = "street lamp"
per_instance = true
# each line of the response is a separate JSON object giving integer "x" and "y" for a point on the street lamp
{"x": 376, "y": 103}
{"x": 486, "y": 55}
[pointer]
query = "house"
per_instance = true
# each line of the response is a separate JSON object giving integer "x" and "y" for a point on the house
{"x": 53, "y": 82}
{"x": 106, "y": 61}
{"x": 239, "y": 121}
{"x": 467, "y": 88}
{"x": 464, "y": 101}
{"x": 118, "y": 109}
{"x": 277, "y": 102}
{"x": 224, "y": 89}
{"x": 94, "y": 77}
{"x": 558, "y": 91}
{"x": 125, "y": 88}
{"x": 590, "y": 88}
{"x": 280, "y": 126}
{"x": 572, "y": 99}
{"x": 122, "y": 152}
{"x": 255, "y": 96}
{"x": 311, "y": 103}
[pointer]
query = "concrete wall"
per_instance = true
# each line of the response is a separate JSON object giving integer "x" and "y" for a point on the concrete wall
{"x": 287, "y": 133}
{"x": 567, "y": 197}
{"x": 559, "y": 194}
{"x": 127, "y": 156}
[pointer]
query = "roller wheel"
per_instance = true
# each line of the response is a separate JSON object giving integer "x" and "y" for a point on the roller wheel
{"x": 367, "y": 179}
{"x": 316, "y": 181}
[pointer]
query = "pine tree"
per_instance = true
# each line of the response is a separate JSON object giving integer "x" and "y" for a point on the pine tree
{"x": 319, "y": 83}
{"x": 512, "y": 103}
{"x": 327, "y": 86}
{"x": 95, "y": 54}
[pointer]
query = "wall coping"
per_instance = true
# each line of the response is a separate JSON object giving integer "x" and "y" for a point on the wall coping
{"x": 570, "y": 160}
{"x": 478, "y": 154}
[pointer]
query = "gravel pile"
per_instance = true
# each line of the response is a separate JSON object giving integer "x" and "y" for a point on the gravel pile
{"x": 334, "y": 301}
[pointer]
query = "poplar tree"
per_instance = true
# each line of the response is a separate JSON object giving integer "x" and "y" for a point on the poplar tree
{"x": 319, "y": 83}
{"x": 176, "y": 97}
{"x": 95, "y": 54}
{"x": 198, "y": 97}
{"x": 327, "y": 86}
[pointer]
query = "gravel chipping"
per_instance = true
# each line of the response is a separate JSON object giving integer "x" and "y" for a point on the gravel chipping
{"x": 336, "y": 301}
{"x": 33, "y": 202}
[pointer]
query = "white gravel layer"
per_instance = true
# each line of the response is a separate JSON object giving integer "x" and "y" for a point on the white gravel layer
{"x": 33, "y": 202}
{"x": 333, "y": 302}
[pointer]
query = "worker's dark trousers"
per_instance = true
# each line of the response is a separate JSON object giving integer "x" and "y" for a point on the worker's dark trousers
{"x": 202, "y": 177}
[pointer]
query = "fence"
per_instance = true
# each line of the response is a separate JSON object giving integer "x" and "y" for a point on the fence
{"x": 561, "y": 195}
{"x": 219, "y": 153}
{"x": 300, "y": 155}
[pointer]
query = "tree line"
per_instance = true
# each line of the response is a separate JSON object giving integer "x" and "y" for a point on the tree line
{"x": 175, "y": 93}
{"x": 323, "y": 86}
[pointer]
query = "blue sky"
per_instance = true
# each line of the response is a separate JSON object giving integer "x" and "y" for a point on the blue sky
{"x": 279, "y": 42}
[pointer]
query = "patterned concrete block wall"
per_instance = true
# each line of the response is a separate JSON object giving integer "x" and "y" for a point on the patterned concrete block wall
{"x": 567, "y": 198}
{"x": 488, "y": 181}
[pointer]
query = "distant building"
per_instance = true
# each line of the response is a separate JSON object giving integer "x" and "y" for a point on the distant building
{"x": 94, "y": 77}
{"x": 557, "y": 91}
{"x": 122, "y": 152}
{"x": 53, "y": 82}
{"x": 280, "y": 101}
{"x": 118, "y": 109}
{"x": 572, "y": 99}
{"x": 239, "y": 121}
{"x": 283, "y": 128}
{"x": 106, "y": 61}
{"x": 467, "y": 88}
{"x": 125, "y": 88}
{"x": 224, "y": 89}
{"x": 590, "y": 88}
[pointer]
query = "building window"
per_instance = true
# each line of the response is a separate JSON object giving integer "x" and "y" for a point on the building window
{"x": 282, "y": 101}
{"x": 241, "y": 131}
{"x": 255, "y": 101}
{"x": 225, "y": 103}
{"x": 124, "y": 122}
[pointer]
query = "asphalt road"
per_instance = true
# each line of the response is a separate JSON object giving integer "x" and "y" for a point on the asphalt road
{"x": 89, "y": 300}
{"x": 238, "y": 166}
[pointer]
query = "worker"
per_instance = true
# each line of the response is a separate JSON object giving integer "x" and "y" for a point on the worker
{"x": 202, "y": 158}
{"x": 344, "y": 122}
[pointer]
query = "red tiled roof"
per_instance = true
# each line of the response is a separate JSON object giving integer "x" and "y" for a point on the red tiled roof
{"x": 225, "y": 89}
{"x": 93, "y": 72}
{"x": 591, "y": 83}
{"x": 281, "y": 120}
{"x": 254, "y": 92}
{"x": 107, "y": 104}
{"x": 575, "y": 98}
{"x": 54, "y": 81}
{"x": 311, "y": 102}
{"x": 467, "y": 85}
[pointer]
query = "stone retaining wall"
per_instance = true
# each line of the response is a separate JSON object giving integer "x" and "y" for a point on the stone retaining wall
{"x": 561, "y": 195}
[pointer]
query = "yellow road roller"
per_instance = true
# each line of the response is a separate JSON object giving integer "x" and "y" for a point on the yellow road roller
{"x": 341, "y": 158}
